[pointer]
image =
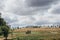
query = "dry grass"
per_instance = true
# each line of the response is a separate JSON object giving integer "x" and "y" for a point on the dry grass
{"x": 37, "y": 29}
{"x": 20, "y": 32}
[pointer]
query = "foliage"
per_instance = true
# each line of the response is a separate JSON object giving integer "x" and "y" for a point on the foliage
{"x": 28, "y": 32}
{"x": 2, "y": 22}
{"x": 0, "y": 31}
{"x": 17, "y": 27}
{"x": 4, "y": 27}
{"x": 5, "y": 31}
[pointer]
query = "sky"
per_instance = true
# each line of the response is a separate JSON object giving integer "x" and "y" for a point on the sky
{"x": 30, "y": 12}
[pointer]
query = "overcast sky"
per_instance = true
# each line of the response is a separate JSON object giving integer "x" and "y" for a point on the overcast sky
{"x": 30, "y": 12}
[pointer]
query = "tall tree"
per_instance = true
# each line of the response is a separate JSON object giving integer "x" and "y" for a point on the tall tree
{"x": 2, "y": 22}
{"x": 4, "y": 27}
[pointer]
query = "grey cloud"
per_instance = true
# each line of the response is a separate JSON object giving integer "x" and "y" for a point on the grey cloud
{"x": 39, "y": 3}
{"x": 1, "y": 4}
{"x": 42, "y": 22}
{"x": 29, "y": 7}
{"x": 20, "y": 7}
{"x": 57, "y": 22}
{"x": 8, "y": 20}
{"x": 23, "y": 8}
{"x": 56, "y": 11}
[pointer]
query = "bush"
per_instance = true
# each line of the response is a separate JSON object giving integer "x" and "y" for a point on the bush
{"x": 18, "y": 38}
{"x": 28, "y": 32}
{"x": 54, "y": 39}
{"x": 58, "y": 38}
{"x": 0, "y": 33}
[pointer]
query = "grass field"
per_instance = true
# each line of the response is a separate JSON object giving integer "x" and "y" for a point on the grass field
{"x": 36, "y": 34}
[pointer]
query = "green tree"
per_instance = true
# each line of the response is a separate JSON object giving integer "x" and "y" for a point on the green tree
{"x": 4, "y": 27}
{"x": 5, "y": 31}
{"x": 0, "y": 31}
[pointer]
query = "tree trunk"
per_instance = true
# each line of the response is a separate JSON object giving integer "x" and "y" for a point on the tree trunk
{"x": 5, "y": 38}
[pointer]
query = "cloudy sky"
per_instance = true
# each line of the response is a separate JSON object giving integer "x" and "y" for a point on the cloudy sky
{"x": 30, "y": 12}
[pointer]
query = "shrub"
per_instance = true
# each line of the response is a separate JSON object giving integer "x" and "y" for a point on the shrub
{"x": 28, "y": 32}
